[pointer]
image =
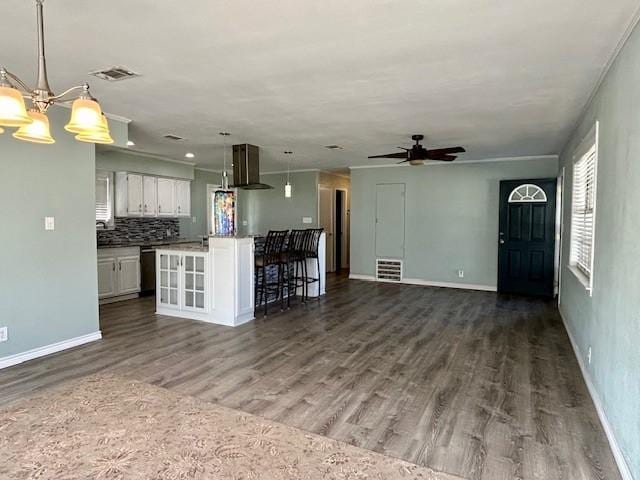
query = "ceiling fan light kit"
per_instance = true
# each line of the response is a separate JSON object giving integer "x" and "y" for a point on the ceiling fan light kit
{"x": 417, "y": 154}
{"x": 87, "y": 119}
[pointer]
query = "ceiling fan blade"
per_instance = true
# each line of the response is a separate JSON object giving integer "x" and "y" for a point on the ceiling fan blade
{"x": 391, "y": 155}
{"x": 445, "y": 151}
{"x": 442, "y": 158}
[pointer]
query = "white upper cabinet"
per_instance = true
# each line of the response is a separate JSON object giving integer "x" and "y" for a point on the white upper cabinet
{"x": 166, "y": 197}
{"x": 134, "y": 195}
{"x": 147, "y": 196}
{"x": 183, "y": 198}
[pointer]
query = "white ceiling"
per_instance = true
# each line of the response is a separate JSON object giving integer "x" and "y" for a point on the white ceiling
{"x": 502, "y": 78}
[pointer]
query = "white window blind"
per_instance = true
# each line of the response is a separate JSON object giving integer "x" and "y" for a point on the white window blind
{"x": 583, "y": 212}
{"x": 104, "y": 197}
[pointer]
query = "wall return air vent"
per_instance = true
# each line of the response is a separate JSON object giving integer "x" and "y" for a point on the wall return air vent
{"x": 388, "y": 270}
{"x": 115, "y": 74}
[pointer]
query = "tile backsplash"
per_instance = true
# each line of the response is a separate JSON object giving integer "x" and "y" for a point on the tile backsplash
{"x": 133, "y": 230}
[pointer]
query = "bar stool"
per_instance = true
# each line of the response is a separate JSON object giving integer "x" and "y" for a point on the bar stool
{"x": 297, "y": 261}
{"x": 312, "y": 245}
{"x": 273, "y": 258}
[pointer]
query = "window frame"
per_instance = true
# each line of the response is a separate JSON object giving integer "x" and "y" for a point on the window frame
{"x": 111, "y": 191}
{"x": 588, "y": 145}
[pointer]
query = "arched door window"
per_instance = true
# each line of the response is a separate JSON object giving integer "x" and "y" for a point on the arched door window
{"x": 527, "y": 193}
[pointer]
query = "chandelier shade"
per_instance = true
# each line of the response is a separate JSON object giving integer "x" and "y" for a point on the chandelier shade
{"x": 97, "y": 137}
{"x": 86, "y": 118}
{"x": 1, "y": 130}
{"x": 13, "y": 112}
{"x": 37, "y": 131}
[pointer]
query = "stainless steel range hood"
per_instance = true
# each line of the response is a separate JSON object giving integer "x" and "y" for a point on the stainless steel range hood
{"x": 246, "y": 167}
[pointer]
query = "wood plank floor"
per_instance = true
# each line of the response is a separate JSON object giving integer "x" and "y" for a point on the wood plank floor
{"x": 470, "y": 383}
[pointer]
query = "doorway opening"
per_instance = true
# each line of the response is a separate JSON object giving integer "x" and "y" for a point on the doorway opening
{"x": 333, "y": 215}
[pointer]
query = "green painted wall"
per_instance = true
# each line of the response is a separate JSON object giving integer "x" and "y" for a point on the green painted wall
{"x": 120, "y": 161}
{"x": 269, "y": 209}
{"x": 451, "y": 217}
{"x": 201, "y": 179}
{"x": 48, "y": 279}
{"x": 609, "y": 321}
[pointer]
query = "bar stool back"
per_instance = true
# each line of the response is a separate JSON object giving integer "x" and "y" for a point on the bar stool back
{"x": 272, "y": 257}
{"x": 312, "y": 246}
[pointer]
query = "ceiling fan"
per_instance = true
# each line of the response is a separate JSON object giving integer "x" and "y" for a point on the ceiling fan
{"x": 417, "y": 154}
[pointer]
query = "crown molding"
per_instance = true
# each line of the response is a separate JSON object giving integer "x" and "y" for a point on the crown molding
{"x": 112, "y": 116}
{"x": 128, "y": 151}
{"x": 633, "y": 23}
{"x": 463, "y": 162}
{"x": 280, "y": 172}
{"x": 210, "y": 170}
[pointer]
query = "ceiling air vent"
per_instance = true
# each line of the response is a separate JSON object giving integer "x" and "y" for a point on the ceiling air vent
{"x": 388, "y": 270}
{"x": 171, "y": 136}
{"x": 115, "y": 74}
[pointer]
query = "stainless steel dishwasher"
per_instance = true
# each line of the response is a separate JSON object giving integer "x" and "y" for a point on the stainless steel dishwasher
{"x": 147, "y": 271}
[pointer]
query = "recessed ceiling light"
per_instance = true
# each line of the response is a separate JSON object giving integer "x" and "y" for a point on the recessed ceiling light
{"x": 333, "y": 147}
{"x": 190, "y": 155}
{"x": 130, "y": 143}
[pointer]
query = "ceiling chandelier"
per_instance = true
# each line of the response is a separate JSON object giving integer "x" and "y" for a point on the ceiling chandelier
{"x": 87, "y": 120}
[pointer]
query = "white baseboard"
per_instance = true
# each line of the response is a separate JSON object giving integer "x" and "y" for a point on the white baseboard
{"x": 625, "y": 471}
{"x": 48, "y": 349}
{"x": 427, "y": 283}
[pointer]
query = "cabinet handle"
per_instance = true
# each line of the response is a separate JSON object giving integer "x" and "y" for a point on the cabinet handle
{"x": 114, "y": 266}
{"x": 140, "y": 207}
{"x": 178, "y": 207}
{"x": 120, "y": 266}
{"x": 159, "y": 208}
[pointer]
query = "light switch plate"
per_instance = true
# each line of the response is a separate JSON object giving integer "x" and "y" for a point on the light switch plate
{"x": 4, "y": 335}
{"x": 244, "y": 223}
{"x": 194, "y": 220}
{"x": 307, "y": 219}
{"x": 49, "y": 223}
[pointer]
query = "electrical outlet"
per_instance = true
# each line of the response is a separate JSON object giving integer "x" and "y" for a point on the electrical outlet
{"x": 589, "y": 356}
{"x": 460, "y": 273}
{"x": 49, "y": 223}
{"x": 245, "y": 223}
{"x": 307, "y": 219}
{"x": 4, "y": 334}
{"x": 194, "y": 220}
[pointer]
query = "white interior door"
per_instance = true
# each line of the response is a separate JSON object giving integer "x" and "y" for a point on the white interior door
{"x": 325, "y": 216}
{"x": 390, "y": 205}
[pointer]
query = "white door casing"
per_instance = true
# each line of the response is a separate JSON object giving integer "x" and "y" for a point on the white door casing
{"x": 325, "y": 219}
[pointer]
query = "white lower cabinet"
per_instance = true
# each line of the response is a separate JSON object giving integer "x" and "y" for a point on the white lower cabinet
{"x": 118, "y": 272}
{"x": 182, "y": 281}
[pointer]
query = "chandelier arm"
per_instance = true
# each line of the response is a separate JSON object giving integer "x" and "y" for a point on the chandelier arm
{"x": 24, "y": 86}
{"x": 68, "y": 91}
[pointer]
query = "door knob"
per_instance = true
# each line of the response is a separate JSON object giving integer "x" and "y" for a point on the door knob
{"x": 501, "y": 241}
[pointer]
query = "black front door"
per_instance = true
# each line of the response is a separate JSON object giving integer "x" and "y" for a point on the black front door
{"x": 526, "y": 256}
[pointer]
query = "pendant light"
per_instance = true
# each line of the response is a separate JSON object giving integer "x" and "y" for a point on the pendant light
{"x": 103, "y": 137}
{"x": 86, "y": 117}
{"x": 1, "y": 130}
{"x": 287, "y": 187}
{"x": 225, "y": 178}
{"x": 37, "y": 131}
{"x": 13, "y": 112}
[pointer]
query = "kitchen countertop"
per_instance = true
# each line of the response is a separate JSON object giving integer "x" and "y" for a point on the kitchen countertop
{"x": 185, "y": 247}
{"x": 155, "y": 243}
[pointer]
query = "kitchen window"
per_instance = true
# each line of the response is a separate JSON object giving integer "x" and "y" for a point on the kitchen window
{"x": 583, "y": 209}
{"x": 104, "y": 200}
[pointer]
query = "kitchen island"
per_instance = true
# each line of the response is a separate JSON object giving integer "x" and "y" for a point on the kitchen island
{"x": 213, "y": 284}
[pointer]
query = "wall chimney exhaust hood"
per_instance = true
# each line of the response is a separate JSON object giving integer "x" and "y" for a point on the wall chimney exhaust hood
{"x": 246, "y": 168}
